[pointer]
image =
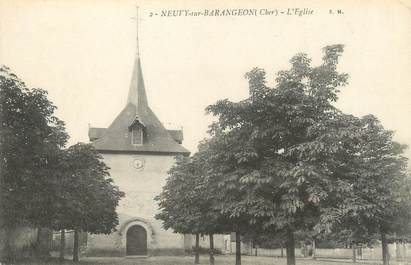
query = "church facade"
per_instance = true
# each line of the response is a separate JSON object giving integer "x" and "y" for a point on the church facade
{"x": 139, "y": 151}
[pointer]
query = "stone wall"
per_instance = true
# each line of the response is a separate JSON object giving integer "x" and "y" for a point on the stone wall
{"x": 138, "y": 206}
{"x": 396, "y": 251}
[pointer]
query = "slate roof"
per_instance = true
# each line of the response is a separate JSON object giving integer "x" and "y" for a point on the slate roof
{"x": 177, "y": 135}
{"x": 95, "y": 133}
{"x": 117, "y": 137}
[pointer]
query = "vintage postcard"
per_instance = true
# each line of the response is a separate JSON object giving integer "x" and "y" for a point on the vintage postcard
{"x": 134, "y": 79}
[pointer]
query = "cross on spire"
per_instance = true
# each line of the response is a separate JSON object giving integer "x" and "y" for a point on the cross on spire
{"x": 137, "y": 42}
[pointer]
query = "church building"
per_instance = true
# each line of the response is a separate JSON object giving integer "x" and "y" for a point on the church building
{"x": 139, "y": 151}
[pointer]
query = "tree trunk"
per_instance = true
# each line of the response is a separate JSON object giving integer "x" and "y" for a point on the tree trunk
{"x": 7, "y": 252}
{"x": 3, "y": 240}
{"x": 354, "y": 254}
{"x": 290, "y": 246}
{"x": 62, "y": 244}
{"x": 359, "y": 252}
{"x": 237, "y": 248}
{"x": 211, "y": 249}
{"x": 282, "y": 250}
{"x": 303, "y": 249}
{"x": 43, "y": 243}
{"x": 397, "y": 251}
{"x": 384, "y": 247}
{"x": 313, "y": 250}
{"x": 75, "y": 247}
{"x": 197, "y": 250}
{"x": 404, "y": 249}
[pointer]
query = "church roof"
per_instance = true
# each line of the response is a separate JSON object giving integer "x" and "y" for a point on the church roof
{"x": 117, "y": 137}
{"x": 95, "y": 133}
{"x": 177, "y": 135}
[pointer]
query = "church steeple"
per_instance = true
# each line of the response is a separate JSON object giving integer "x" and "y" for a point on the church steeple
{"x": 137, "y": 128}
{"x": 137, "y": 92}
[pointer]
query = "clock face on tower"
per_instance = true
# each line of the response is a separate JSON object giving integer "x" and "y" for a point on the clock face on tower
{"x": 138, "y": 163}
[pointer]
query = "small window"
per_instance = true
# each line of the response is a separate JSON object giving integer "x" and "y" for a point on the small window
{"x": 137, "y": 136}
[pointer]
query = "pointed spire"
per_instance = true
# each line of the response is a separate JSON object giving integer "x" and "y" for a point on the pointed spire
{"x": 137, "y": 92}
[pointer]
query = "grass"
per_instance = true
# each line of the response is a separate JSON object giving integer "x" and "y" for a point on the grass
{"x": 219, "y": 260}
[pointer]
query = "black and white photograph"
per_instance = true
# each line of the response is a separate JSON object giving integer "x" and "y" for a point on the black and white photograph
{"x": 205, "y": 132}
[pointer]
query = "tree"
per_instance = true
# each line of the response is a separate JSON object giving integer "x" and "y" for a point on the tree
{"x": 186, "y": 202}
{"x": 43, "y": 185}
{"x": 177, "y": 199}
{"x": 30, "y": 140}
{"x": 379, "y": 191}
{"x": 229, "y": 198}
{"x": 281, "y": 153}
{"x": 215, "y": 220}
{"x": 381, "y": 188}
{"x": 86, "y": 196}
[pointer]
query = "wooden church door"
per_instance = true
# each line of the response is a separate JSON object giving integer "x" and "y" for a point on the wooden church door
{"x": 136, "y": 241}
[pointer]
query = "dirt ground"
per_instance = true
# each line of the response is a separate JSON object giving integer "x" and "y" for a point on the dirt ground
{"x": 219, "y": 260}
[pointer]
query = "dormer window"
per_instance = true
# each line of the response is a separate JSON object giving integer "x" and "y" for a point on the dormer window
{"x": 137, "y": 135}
{"x": 136, "y": 131}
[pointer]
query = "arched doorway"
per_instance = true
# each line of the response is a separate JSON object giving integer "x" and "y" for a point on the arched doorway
{"x": 136, "y": 240}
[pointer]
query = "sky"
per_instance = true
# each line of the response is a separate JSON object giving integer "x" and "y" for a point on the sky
{"x": 82, "y": 53}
